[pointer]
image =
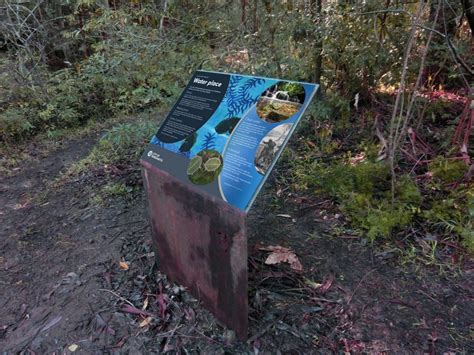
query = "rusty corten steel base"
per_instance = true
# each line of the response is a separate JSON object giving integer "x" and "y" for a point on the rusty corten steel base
{"x": 201, "y": 243}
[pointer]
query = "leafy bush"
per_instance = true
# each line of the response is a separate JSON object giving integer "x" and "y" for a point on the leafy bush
{"x": 446, "y": 170}
{"x": 123, "y": 143}
{"x": 364, "y": 193}
{"x": 123, "y": 75}
{"x": 14, "y": 122}
{"x": 454, "y": 213}
{"x": 378, "y": 217}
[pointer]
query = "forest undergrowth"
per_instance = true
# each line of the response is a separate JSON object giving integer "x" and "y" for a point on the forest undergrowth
{"x": 388, "y": 139}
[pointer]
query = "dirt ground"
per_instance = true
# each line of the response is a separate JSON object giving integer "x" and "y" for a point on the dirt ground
{"x": 77, "y": 276}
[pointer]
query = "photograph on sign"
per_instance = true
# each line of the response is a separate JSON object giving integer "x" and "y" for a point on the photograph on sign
{"x": 226, "y": 131}
{"x": 270, "y": 146}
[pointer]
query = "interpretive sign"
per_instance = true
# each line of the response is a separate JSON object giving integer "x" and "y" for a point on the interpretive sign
{"x": 203, "y": 169}
{"x": 226, "y": 131}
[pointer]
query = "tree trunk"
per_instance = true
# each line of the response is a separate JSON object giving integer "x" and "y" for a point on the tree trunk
{"x": 316, "y": 11}
{"x": 439, "y": 58}
{"x": 244, "y": 10}
{"x": 255, "y": 18}
{"x": 165, "y": 9}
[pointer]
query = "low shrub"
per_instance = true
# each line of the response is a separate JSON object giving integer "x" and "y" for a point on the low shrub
{"x": 447, "y": 171}
{"x": 120, "y": 144}
{"x": 364, "y": 194}
{"x": 453, "y": 213}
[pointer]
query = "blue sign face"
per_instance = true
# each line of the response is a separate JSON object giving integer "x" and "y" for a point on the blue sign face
{"x": 226, "y": 131}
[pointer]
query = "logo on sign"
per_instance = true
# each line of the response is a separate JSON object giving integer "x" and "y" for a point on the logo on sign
{"x": 153, "y": 155}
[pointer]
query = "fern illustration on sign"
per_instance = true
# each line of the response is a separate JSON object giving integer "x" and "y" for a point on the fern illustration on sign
{"x": 209, "y": 141}
{"x": 238, "y": 97}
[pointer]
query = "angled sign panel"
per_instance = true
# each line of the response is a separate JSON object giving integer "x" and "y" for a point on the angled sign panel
{"x": 226, "y": 131}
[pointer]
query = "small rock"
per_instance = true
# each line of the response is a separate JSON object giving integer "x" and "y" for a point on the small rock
{"x": 73, "y": 347}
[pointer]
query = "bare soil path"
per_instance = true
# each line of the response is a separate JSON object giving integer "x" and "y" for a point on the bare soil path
{"x": 63, "y": 288}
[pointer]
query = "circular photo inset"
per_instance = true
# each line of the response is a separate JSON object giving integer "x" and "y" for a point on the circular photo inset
{"x": 269, "y": 147}
{"x": 205, "y": 167}
{"x": 280, "y": 102}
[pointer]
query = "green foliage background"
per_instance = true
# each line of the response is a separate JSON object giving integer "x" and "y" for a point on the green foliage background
{"x": 133, "y": 56}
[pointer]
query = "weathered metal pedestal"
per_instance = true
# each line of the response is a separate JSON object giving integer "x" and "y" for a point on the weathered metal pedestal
{"x": 202, "y": 244}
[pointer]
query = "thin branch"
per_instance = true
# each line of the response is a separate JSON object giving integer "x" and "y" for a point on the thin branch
{"x": 399, "y": 101}
{"x": 413, "y": 97}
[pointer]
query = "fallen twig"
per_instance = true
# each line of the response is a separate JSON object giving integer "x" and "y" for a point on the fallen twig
{"x": 117, "y": 295}
{"x": 135, "y": 310}
{"x": 325, "y": 300}
{"x": 358, "y": 285}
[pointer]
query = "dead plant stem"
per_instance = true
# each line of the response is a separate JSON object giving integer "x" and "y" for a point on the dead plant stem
{"x": 399, "y": 101}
